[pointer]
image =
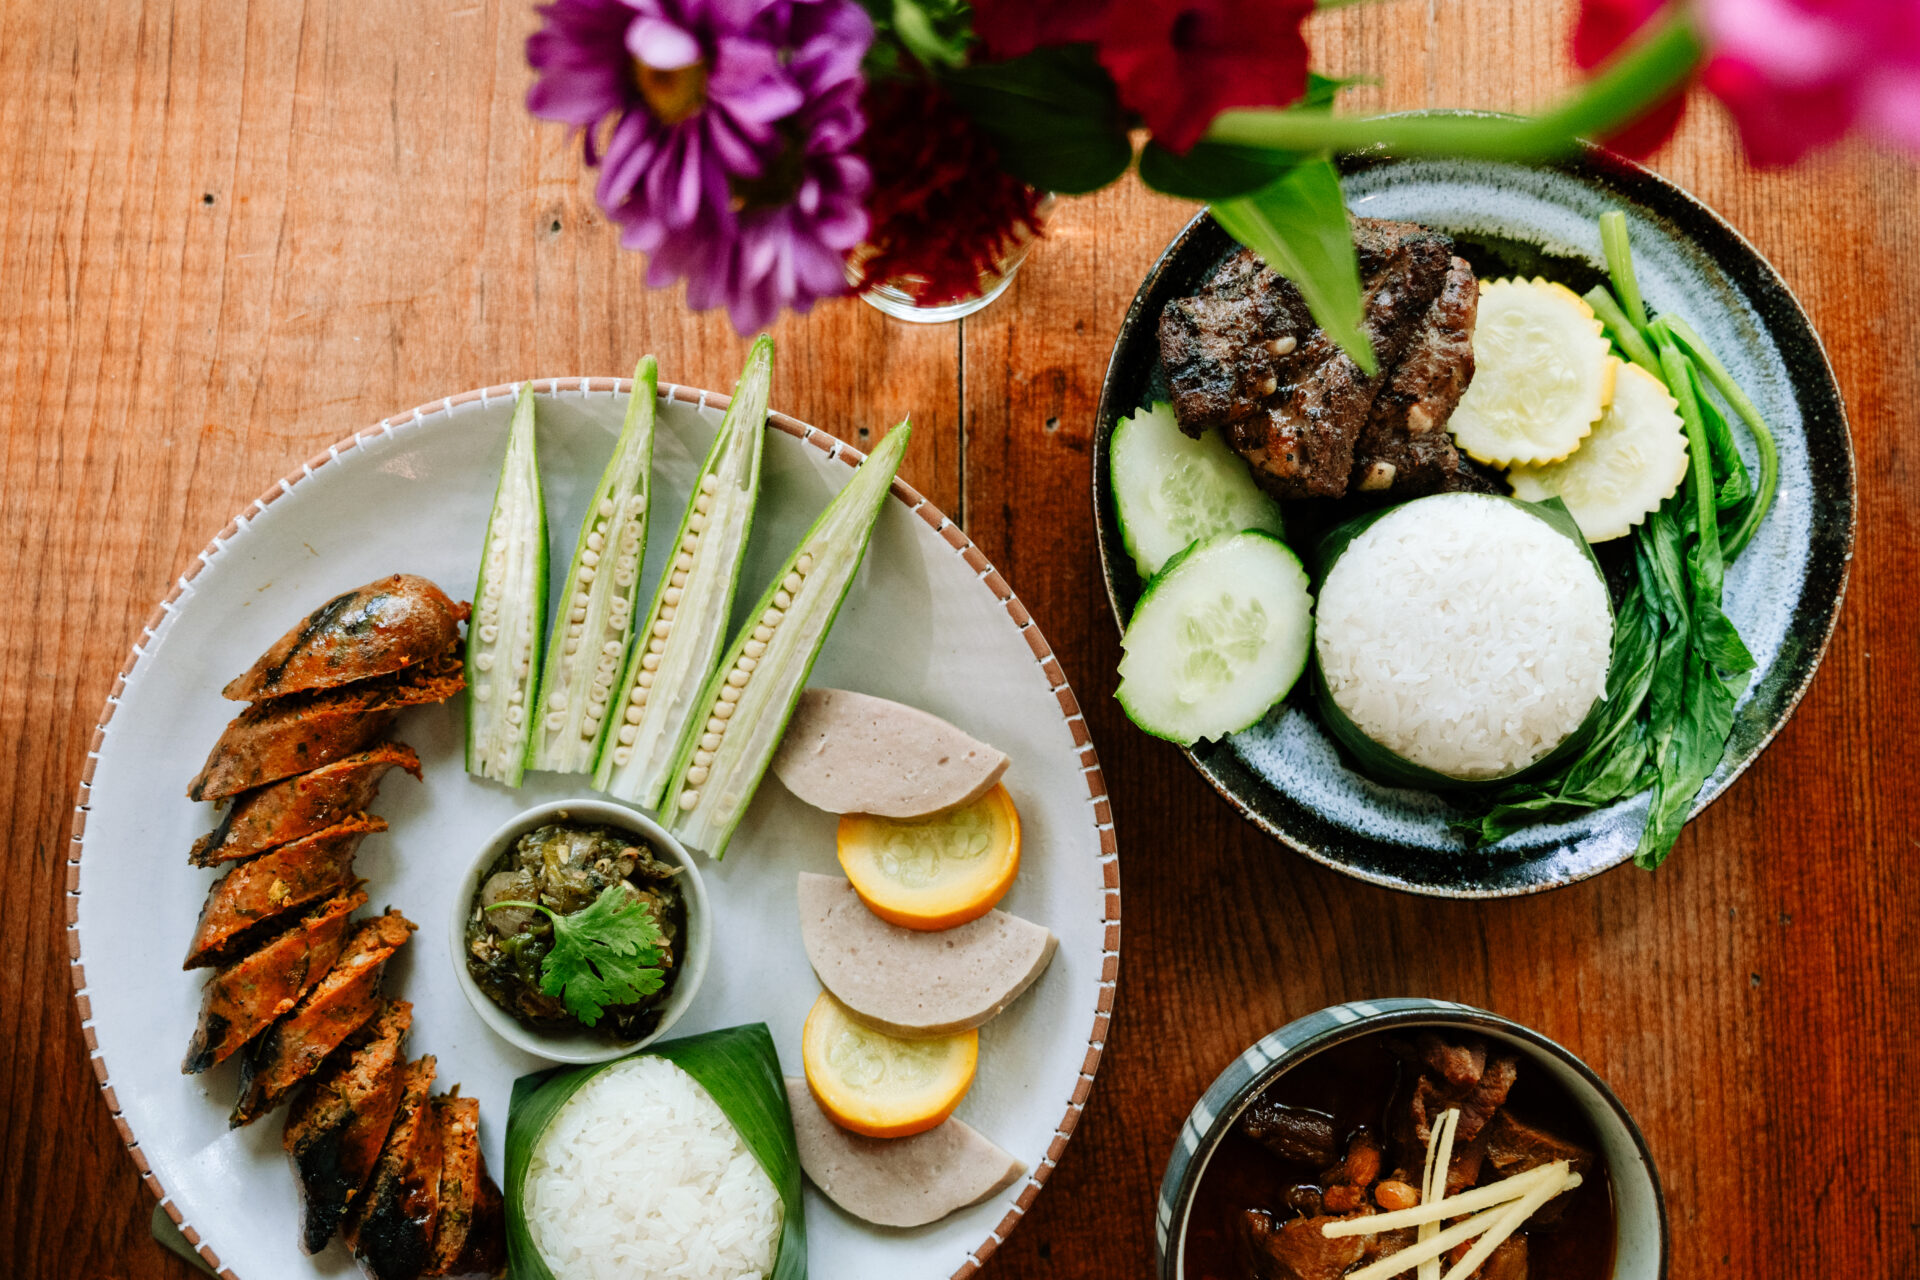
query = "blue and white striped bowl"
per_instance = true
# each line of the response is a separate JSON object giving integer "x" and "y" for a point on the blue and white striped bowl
{"x": 1640, "y": 1247}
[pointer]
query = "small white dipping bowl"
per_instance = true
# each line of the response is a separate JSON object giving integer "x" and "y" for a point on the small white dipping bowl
{"x": 584, "y": 1045}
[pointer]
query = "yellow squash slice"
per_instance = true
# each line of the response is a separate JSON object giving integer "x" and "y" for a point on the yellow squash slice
{"x": 936, "y": 872}
{"x": 1542, "y": 375}
{"x": 1634, "y": 460}
{"x": 879, "y": 1085}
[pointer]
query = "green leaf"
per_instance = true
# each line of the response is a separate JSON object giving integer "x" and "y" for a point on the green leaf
{"x": 1219, "y": 170}
{"x": 737, "y": 1066}
{"x": 934, "y": 31}
{"x": 605, "y": 955}
{"x": 1299, "y": 225}
{"x": 1054, "y": 114}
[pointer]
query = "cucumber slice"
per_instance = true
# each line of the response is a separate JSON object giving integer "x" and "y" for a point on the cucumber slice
{"x": 1171, "y": 490}
{"x": 669, "y": 657}
{"x": 751, "y": 696}
{"x": 509, "y": 611}
{"x": 595, "y": 617}
{"x": 1219, "y": 636}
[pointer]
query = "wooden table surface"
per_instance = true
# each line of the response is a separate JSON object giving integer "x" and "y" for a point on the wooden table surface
{"x": 236, "y": 230}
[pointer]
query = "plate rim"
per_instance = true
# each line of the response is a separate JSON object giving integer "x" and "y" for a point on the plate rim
{"x": 1593, "y": 165}
{"x": 835, "y": 449}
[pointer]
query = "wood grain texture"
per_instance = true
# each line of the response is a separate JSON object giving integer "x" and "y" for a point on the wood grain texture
{"x": 237, "y": 230}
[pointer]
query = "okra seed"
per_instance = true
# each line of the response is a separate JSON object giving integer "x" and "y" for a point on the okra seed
{"x": 697, "y": 775}
{"x": 623, "y": 567}
{"x": 590, "y": 558}
{"x": 611, "y": 648}
{"x": 716, "y": 726}
{"x": 650, "y": 662}
{"x": 754, "y": 648}
{"x": 644, "y": 679}
{"x": 606, "y": 507}
{"x": 697, "y": 523}
{"x": 703, "y": 758}
{"x": 689, "y": 798}
{"x": 662, "y": 627}
{"x": 577, "y": 616}
{"x": 736, "y": 679}
{"x": 635, "y": 504}
{"x": 762, "y": 634}
{"x": 688, "y": 543}
{"x": 771, "y": 618}
{"x": 586, "y": 573}
{"x": 656, "y": 645}
{"x": 622, "y": 755}
{"x": 792, "y": 582}
{"x": 804, "y": 564}
{"x": 703, "y": 503}
{"x": 708, "y": 483}
{"x": 722, "y": 710}
{"x": 573, "y": 644}
{"x": 595, "y": 542}
{"x": 489, "y": 634}
{"x": 516, "y": 696}
{"x": 595, "y": 710}
{"x": 729, "y": 694}
{"x": 484, "y": 662}
{"x": 633, "y": 714}
{"x": 581, "y": 599}
{"x": 556, "y": 722}
{"x": 682, "y": 563}
{"x": 639, "y": 697}
{"x": 482, "y": 691}
{"x": 673, "y": 596}
{"x": 515, "y": 715}
{"x": 747, "y": 662}
{"x": 781, "y": 600}
{"x": 667, "y": 613}
{"x": 709, "y": 742}
{"x": 558, "y": 702}
{"x": 627, "y": 734}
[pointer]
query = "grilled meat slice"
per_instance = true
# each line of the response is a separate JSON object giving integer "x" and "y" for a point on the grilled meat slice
{"x": 1296, "y": 403}
{"x": 1224, "y": 347}
{"x": 336, "y": 1128}
{"x": 373, "y": 630}
{"x": 1293, "y": 1250}
{"x": 470, "y": 1215}
{"x": 391, "y": 1223}
{"x": 301, "y": 805}
{"x": 340, "y": 1004}
{"x": 279, "y": 738}
{"x": 1405, "y": 448}
{"x": 243, "y": 999}
{"x": 1297, "y": 1135}
{"x": 255, "y": 896}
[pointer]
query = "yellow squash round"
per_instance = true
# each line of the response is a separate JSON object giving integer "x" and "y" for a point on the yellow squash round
{"x": 879, "y": 1085}
{"x": 936, "y": 872}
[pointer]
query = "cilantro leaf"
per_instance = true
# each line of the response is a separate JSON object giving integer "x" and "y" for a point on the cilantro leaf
{"x": 605, "y": 955}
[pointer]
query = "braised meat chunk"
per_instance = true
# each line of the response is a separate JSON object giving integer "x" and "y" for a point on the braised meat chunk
{"x": 1405, "y": 448}
{"x": 1295, "y": 1250}
{"x": 1294, "y": 1134}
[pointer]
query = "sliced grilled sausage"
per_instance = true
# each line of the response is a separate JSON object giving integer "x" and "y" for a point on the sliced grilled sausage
{"x": 274, "y": 740}
{"x": 485, "y": 1250}
{"x": 391, "y": 1223}
{"x": 375, "y": 630}
{"x": 272, "y": 815}
{"x": 242, "y": 999}
{"x": 459, "y": 1176}
{"x": 336, "y": 1129}
{"x": 294, "y": 1047}
{"x": 256, "y": 896}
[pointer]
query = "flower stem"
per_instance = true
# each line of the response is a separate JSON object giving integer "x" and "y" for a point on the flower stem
{"x": 1626, "y": 87}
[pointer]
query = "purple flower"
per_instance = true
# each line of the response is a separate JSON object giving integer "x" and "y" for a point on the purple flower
{"x": 731, "y": 129}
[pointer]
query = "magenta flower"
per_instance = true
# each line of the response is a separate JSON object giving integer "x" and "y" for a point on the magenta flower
{"x": 730, "y": 133}
{"x": 1798, "y": 74}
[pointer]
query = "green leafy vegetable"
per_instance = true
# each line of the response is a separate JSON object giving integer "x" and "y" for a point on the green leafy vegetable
{"x": 1221, "y": 170}
{"x": 1679, "y": 663}
{"x": 1299, "y": 225}
{"x": 738, "y": 1067}
{"x": 605, "y": 955}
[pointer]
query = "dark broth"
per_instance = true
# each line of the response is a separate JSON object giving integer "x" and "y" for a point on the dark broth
{"x": 1352, "y": 1082}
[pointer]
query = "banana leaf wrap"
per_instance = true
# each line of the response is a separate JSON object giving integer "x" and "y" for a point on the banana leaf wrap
{"x": 1384, "y": 765}
{"x": 737, "y": 1066}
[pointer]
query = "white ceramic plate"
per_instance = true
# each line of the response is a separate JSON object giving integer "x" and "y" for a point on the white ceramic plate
{"x": 927, "y": 622}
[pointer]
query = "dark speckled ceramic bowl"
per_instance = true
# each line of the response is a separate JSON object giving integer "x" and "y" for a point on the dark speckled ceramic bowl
{"x": 1640, "y": 1214}
{"x": 1285, "y": 774}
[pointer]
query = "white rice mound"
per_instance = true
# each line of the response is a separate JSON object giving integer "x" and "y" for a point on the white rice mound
{"x": 641, "y": 1176}
{"x": 1464, "y": 634}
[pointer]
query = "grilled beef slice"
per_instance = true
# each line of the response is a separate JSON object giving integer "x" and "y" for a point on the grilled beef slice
{"x": 391, "y": 1223}
{"x": 1247, "y": 358}
{"x": 374, "y": 630}
{"x": 255, "y": 896}
{"x": 1293, "y": 1250}
{"x": 339, "y": 1005}
{"x": 1405, "y": 448}
{"x": 337, "y": 1128}
{"x": 284, "y": 811}
{"x": 242, "y": 999}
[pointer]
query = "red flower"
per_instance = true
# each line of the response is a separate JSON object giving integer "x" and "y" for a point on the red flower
{"x": 943, "y": 211}
{"x": 1013, "y": 28}
{"x": 1179, "y": 63}
{"x": 1604, "y": 26}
